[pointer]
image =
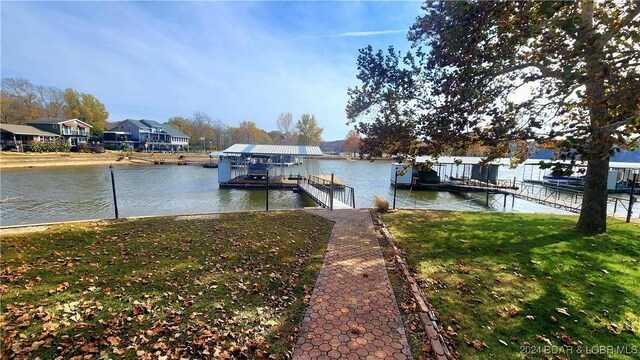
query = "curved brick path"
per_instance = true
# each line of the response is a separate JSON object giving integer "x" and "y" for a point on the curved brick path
{"x": 353, "y": 312}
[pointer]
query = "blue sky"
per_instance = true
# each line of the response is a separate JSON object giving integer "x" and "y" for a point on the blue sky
{"x": 232, "y": 60}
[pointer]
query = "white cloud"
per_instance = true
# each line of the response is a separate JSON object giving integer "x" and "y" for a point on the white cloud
{"x": 370, "y": 33}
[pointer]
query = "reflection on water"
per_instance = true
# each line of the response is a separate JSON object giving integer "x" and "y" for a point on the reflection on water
{"x": 76, "y": 193}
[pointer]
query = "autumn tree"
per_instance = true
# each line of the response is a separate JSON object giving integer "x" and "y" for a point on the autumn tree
{"x": 221, "y": 131}
{"x": 309, "y": 133}
{"x": 87, "y": 108}
{"x": 352, "y": 142}
{"x": 287, "y": 129}
{"x": 182, "y": 124}
{"x": 51, "y": 100}
{"x": 249, "y": 133}
{"x": 201, "y": 127}
{"x": 19, "y": 101}
{"x": 504, "y": 73}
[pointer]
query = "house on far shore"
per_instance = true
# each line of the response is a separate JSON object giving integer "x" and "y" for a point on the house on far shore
{"x": 146, "y": 135}
{"x": 18, "y": 136}
{"x": 74, "y": 131}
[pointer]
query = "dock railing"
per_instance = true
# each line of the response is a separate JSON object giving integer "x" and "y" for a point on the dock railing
{"x": 562, "y": 197}
{"x": 342, "y": 193}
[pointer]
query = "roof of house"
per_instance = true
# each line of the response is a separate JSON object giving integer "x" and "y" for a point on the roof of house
{"x": 134, "y": 122}
{"x": 151, "y": 123}
{"x": 25, "y": 130}
{"x": 144, "y": 123}
{"x": 173, "y": 131}
{"x": 257, "y": 149}
{"x": 467, "y": 160}
{"x": 55, "y": 121}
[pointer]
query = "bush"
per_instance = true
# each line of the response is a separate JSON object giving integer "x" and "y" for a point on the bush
{"x": 382, "y": 205}
{"x": 58, "y": 145}
{"x": 83, "y": 148}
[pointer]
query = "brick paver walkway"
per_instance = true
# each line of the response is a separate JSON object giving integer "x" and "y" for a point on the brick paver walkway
{"x": 353, "y": 312}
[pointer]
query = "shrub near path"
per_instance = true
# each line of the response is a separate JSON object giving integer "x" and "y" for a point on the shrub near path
{"x": 230, "y": 287}
{"x": 526, "y": 285}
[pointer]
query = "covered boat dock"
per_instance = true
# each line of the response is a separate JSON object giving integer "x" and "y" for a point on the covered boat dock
{"x": 251, "y": 166}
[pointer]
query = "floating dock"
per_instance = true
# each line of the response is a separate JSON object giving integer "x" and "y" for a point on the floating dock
{"x": 250, "y": 166}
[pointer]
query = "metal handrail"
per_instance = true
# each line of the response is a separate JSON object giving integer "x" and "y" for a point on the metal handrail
{"x": 344, "y": 193}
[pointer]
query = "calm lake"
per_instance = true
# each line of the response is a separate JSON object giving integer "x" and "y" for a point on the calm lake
{"x": 40, "y": 195}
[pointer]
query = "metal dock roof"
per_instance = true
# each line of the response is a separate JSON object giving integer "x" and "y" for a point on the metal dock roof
{"x": 257, "y": 149}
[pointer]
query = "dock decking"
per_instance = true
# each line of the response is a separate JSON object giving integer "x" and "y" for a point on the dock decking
{"x": 317, "y": 188}
{"x": 321, "y": 197}
{"x": 275, "y": 182}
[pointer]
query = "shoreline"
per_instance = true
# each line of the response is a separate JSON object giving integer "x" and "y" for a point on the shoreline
{"x": 11, "y": 160}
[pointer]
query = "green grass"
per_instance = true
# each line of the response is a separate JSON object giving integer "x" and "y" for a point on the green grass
{"x": 500, "y": 279}
{"x": 229, "y": 287}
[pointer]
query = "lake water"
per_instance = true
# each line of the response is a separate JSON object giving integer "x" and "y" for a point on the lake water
{"x": 76, "y": 193}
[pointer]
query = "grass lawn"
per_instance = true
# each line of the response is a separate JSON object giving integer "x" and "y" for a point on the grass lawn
{"x": 526, "y": 285}
{"x": 161, "y": 288}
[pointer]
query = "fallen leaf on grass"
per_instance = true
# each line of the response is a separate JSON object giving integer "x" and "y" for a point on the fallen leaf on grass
{"x": 567, "y": 340}
{"x": 113, "y": 340}
{"x": 479, "y": 345}
{"x": 511, "y": 310}
{"x": 451, "y": 331}
{"x": 542, "y": 338}
{"x": 563, "y": 311}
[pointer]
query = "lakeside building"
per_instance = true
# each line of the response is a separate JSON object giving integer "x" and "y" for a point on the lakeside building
{"x": 17, "y": 136}
{"x": 146, "y": 135}
{"x": 74, "y": 131}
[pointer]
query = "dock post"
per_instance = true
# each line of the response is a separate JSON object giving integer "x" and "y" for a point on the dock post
{"x": 513, "y": 200}
{"x": 631, "y": 197}
{"x": 113, "y": 187}
{"x": 267, "y": 191}
{"x": 487, "y": 183}
{"x": 331, "y": 194}
{"x": 395, "y": 188}
{"x": 505, "y": 201}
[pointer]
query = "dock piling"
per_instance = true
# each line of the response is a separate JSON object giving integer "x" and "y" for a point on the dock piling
{"x": 113, "y": 187}
{"x": 631, "y": 197}
{"x": 395, "y": 188}
{"x": 267, "y": 192}
{"x": 331, "y": 194}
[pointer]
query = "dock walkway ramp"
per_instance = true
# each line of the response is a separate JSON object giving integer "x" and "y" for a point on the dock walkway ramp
{"x": 327, "y": 195}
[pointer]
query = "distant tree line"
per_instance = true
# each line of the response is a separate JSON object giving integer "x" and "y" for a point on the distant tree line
{"x": 214, "y": 134}
{"x": 22, "y": 101}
